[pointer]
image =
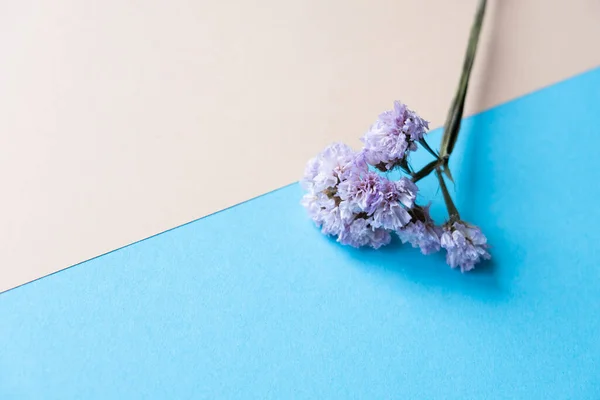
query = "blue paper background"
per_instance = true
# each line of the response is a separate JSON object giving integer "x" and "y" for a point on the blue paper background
{"x": 253, "y": 302}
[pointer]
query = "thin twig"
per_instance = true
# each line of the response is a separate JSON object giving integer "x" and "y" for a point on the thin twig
{"x": 452, "y": 125}
{"x": 452, "y": 210}
{"x": 426, "y": 170}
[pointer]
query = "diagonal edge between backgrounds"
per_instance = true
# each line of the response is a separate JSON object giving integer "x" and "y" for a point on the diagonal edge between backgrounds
{"x": 517, "y": 99}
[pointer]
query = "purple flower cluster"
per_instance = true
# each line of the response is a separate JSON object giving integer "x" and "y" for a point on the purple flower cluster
{"x": 393, "y": 136}
{"x": 349, "y": 200}
{"x": 466, "y": 245}
{"x": 422, "y": 232}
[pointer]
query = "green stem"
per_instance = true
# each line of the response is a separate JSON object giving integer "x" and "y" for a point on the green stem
{"x": 452, "y": 125}
{"x": 452, "y": 210}
{"x": 426, "y": 170}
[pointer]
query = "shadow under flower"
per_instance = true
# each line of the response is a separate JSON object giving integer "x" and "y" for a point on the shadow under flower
{"x": 400, "y": 264}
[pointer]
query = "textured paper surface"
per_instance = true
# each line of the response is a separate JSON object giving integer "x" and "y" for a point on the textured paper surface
{"x": 120, "y": 119}
{"x": 254, "y": 303}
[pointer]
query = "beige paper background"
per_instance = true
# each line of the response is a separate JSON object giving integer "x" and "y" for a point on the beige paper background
{"x": 121, "y": 119}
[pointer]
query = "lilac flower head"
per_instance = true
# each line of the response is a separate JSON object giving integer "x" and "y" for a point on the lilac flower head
{"x": 334, "y": 164}
{"x": 361, "y": 233}
{"x": 347, "y": 200}
{"x": 421, "y": 231}
{"x": 391, "y": 213}
{"x": 364, "y": 192}
{"x": 324, "y": 211}
{"x": 466, "y": 245}
{"x": 392, "y": 136}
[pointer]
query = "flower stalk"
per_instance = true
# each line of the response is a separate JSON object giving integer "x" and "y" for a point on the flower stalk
{"x": 453, "y": 120}
{"x": 452, "y": 210}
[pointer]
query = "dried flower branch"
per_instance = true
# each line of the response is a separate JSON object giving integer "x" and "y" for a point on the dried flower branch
{"x": 346, "y": 198}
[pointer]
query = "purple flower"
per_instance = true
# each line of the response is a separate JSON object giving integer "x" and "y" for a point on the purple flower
{"x": 363, "y": 192}
{"x": 324, "y": 212}
{"x": 334, "y": 164}
{"x": 347, "y": 200}
{"x": 361, "y": 233}
{"x": 391, "y": 212}
{"x": 466, "y": 245}
{"x": 392, "y": 136}
{"x": 421, "y": 231}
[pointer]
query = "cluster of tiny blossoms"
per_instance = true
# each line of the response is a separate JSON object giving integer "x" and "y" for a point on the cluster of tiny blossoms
{"x": 393, "y": 136}
{"x": 351, "y": 201}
